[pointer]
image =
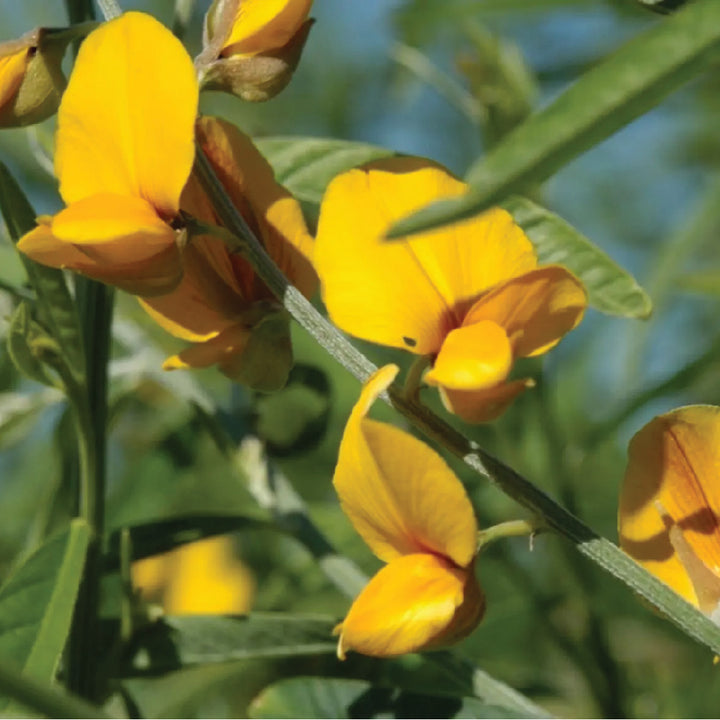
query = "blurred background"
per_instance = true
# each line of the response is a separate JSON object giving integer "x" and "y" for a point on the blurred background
{"x": 444, "y": 79}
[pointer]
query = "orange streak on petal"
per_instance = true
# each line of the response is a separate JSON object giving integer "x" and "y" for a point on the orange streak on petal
{"x": 480, "y": 406}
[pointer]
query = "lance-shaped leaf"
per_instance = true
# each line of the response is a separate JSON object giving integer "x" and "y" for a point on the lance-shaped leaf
{"x": 37, "y": 602}
{"x": 627, "y": 84}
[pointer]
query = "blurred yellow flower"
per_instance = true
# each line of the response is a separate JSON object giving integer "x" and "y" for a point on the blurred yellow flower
{"x": 413, "y": 512}
{"x": 14, "y": 60}
{"x": 471, "y": 296}
{"x": 201, "y": 578}
{"x": 124, "y": 151}
{"x": 669, "y": 511}
{"x": 221, "y": 305}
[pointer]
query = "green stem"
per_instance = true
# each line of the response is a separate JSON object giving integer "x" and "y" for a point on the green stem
{"x": 109, "y": 8}
{"x": 90, "y": 403}
{"x": 413, "y": 379}
{"x": 601, "y": 551}
{"x": 511, "y": 528}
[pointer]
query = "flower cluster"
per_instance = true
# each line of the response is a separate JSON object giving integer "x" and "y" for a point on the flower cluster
{"x": 471, "y": 299}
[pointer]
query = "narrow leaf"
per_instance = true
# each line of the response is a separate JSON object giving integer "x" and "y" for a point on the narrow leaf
{"x": 611, "y": 289}
{"x": 55, "y": 307}
{"x": 305, "y": 166}
{"x": 627, "y": 84}
{"x": 177, "y": 642}
{"x": 37, "y": 602}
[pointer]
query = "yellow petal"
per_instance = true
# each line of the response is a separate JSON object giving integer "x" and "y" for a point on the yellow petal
{"x": 207, "y": 301}
{"x": 217, "y": 349}
{"x": 408, "y": 294}
{"x": 414, "y": 603}
{"x": 480, "y": 406}
{"x": 113, "y": 228}
{"x": 141, "y": 274}
{"x": 267, "y": 206}
{"x": 536, "y": 309}
{"x": 125, "y": 123}
{"x": 263, "y": 25}
{"x": 203, "y": 577}
{"x": 673, "y": 466}
{"x": 473, "y": 357}
{"x": 12, "y": 72}
{"x": 391, "y": 486}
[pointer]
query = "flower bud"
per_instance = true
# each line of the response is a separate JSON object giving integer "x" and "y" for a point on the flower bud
{"x": 251, "y": 49}
{"x": 31, "y": 79}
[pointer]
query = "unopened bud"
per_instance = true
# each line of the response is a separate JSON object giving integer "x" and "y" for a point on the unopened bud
{"x": 252, "y": 47}
{"x": 257, "y": 78}
{"x": 31, "y": 78}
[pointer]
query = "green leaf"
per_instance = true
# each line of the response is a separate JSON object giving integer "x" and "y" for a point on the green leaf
{"x": 331, "y": 698}
{"x": 37, "y": 602}
{"x": 305, "y": 166}
{"x": 611, "y": 289}
{"x": 176, "y": 642}
{"x": 55, "y": 307}
{"x": 627, "y": 84}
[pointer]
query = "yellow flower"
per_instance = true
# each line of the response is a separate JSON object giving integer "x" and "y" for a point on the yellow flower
{"x": 471, "y": 296}
{"x": 670, "y": 503}
{"x": 200, "y": 578}
{"x": 31, "y": 79}
{"x": 221, "y": 305}
{"x": 414, "y": 514}
{"x": 252, "y": 47}
{"x": 125, "y": 148}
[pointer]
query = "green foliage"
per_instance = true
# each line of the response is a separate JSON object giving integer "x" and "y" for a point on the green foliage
{"x": 627, "y": 84}
{"x": 37, "y": 602}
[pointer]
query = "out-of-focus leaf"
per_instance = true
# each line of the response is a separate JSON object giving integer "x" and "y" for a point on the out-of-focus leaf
{"x": 176, "y": 642}
{"x": 705, "y": 282}
{"x": 295, "y": 418}
{"x": 164, "y": 535}
{"x": 330, "y": 698}
{"x": 627, "y": 84}
{"x": 611, "y": 289}
{"x": 19, "y": 409}
{"x": 305, "y": 166}
{"x": 36, "y": 605}
{"x": 56, "y": 310}
{"x": 27, "y": 343}
{"x": 662, "y": 6}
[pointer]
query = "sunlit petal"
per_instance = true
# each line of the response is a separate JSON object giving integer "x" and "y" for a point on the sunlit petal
{"x": 125, "y": 124}
{"x": 536, "y": 309}
{"x": 408, "y": 294}
{"x": 399, "y": 494}
{"x": 473, "y": 357}
{"x": 479, "y": 406}
{"x": 264, "y": 25}
{"x": 413, "y": 603}
{"x": 671, "y": 482}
